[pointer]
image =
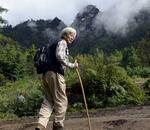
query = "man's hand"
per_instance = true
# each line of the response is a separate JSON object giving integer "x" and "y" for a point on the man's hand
{"x": 76, "y": 64}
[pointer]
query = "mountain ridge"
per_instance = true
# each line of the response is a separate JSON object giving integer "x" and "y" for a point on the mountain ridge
{"x": 89, "y": 36}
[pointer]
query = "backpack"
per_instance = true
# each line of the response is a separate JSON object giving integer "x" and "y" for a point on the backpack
{"x": 44, "y": 58}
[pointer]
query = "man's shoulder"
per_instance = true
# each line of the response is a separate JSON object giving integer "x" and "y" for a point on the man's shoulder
{"x": 62, "y": 43}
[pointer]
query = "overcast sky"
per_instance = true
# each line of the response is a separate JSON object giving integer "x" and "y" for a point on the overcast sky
{"x": 21, "y": 10}
{"x": 116, "y": 13}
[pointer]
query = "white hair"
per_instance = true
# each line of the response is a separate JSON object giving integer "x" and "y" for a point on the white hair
{"x": 67, "y": 31}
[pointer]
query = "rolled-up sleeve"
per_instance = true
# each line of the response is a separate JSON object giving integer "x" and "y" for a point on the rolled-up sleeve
{"x": 62, "y": 56}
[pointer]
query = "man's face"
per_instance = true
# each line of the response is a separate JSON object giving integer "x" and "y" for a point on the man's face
{"x": 70, "y": 38}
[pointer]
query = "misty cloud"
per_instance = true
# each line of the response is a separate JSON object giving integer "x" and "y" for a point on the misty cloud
{"x": 120, "y": 14}
{"x": 66, "y": 10}
{"x": 32, "y": 24}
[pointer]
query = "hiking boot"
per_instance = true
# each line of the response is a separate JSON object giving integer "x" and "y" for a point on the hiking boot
{"x": 58, "y": 128}
{"x": 37, "y": 128}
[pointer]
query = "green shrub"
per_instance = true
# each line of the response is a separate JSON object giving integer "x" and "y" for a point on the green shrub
{"x": 143, "y": 72}
{"x": 12, "y": 61}
{"x": 30, "y": 89}
{"x": 105, "y": 83}
{"x": 147, "y": 87}
{"x": 2, "y": 79}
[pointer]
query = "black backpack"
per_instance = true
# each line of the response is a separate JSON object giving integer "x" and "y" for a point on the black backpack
{"x": 45, "y": 58}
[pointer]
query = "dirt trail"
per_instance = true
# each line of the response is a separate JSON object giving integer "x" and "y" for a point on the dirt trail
{"x": 135, "y": 118}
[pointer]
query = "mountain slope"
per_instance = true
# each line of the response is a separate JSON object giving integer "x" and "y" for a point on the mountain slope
{"x": 35, "y": 32}
{"x": 89, "y": 35}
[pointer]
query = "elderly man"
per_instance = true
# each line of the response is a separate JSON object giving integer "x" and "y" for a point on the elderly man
{"x": 54, "y": 84}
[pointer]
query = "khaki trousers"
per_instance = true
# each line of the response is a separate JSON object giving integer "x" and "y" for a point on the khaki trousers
{"x": 55, "y": 99}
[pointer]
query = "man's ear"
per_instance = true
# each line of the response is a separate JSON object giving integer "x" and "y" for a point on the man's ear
{"x": 64, "y": 37}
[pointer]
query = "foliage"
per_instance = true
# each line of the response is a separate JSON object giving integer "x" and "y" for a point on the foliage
{"x": 2, "y": 21}
{"x": 106, "y": 83}
{"x": 144, "y": 50}
{"x": 12, "y": 60}
{"x": 147, "y": 87}
{"x": 131, "y": 58}
{"x": 30, "y": 89}
{"x": 30, "y": 69}
{"x": 15, "y": 62}
{"x": 139, "y": 71}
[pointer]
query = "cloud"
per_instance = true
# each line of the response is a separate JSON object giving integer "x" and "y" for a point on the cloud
{"x": 21, "y": 10}
{"x": 118, "y": 16}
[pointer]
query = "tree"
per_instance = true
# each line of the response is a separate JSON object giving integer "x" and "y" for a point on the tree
{"x": 130, "y": 58}
{"x": 144, "y": 49}
{"x": 12, "y": 59}
{"x": 2, "y": 21}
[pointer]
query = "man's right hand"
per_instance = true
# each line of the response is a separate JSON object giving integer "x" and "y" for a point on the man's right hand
{"x": 76, "y": 64}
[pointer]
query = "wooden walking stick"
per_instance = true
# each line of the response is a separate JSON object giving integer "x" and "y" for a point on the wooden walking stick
{"x": 89, "y": 123}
